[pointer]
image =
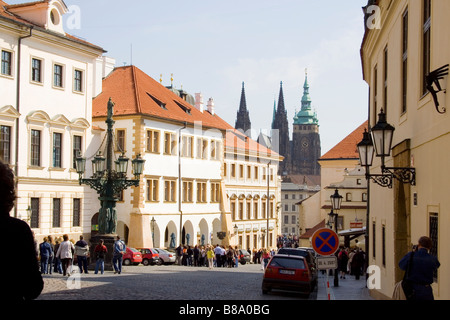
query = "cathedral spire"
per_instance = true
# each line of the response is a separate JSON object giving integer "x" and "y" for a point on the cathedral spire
{"x": 281, "y": 107}
{"x": 243, "y": 118}
{"x": 306, "y": 115}
{"x": 274, "y": 112}
{"x": 243, "y": 104}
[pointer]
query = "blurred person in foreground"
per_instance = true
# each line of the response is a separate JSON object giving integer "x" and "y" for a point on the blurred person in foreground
{"x": 23, "y": 281}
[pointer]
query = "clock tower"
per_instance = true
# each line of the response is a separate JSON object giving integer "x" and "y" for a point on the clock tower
{"x": 306, "y": 148}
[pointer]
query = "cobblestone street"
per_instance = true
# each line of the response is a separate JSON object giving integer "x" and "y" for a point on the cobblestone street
{"x": 164, "y": 283}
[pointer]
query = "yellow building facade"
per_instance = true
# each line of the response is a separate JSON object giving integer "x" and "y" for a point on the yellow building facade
{"x": 404, "y": 42}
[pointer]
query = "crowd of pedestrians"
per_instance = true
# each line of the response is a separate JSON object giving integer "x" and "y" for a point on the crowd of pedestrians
{"x": 58, "y": 255}
{"x": 351, "y": 262}
{"x": 207, "y": 256}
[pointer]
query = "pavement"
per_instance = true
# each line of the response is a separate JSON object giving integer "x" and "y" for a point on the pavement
{"x": 243, "y": 283}
{"x": 347, "y": 289}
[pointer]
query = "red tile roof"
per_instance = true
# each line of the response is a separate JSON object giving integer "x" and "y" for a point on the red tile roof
{"x": 135, "y": 93}
{"x": 347, "y": 148}
{"x": 308, "y": 234}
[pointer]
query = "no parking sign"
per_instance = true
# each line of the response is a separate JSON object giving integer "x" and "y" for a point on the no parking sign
{"x": 325, "y": 242}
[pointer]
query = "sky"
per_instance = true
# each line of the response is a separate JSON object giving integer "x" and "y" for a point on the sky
{"x": 212, "y": 46}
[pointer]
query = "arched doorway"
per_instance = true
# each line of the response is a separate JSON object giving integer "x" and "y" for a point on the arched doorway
{"x": 170, "y": 235}
{"x": 187, "y": 235}
{"x": 203, "y": 235}
{"x": 156, "y": 234}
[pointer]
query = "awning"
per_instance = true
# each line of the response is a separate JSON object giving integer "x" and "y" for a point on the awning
{"x": 353, "y": 232}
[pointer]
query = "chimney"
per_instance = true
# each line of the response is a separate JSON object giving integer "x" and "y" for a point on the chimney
{"x": 199, "y": 102}
{"x": 210, "y": 106}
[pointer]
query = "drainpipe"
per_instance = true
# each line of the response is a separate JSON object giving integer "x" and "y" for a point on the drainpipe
{"x": 180, "y": 182}
{"x": 16, "y": 165}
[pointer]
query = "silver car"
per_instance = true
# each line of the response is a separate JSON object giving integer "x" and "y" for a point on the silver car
{"x": 165, "y": 256}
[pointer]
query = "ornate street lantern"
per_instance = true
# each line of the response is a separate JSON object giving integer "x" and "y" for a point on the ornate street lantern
{"x": 336, "y": 200}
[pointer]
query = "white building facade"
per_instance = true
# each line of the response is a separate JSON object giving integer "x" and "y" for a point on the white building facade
{"x": 47, "y": 82}
{"x": 253, "y": 190}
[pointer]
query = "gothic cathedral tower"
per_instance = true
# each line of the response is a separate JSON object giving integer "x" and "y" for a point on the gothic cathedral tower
{"x": 243, "y": 118}
{"x": 306, "y": 139}
{"x": 280, "y": 134}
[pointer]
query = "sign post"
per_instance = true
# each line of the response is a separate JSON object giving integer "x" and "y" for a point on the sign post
{"x": 325, "y": 243}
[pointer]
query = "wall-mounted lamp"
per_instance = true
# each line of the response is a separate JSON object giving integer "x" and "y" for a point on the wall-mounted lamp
{"x": 380, "y": 142}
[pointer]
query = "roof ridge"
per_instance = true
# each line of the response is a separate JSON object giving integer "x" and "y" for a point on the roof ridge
{"x": 136, "y": 89}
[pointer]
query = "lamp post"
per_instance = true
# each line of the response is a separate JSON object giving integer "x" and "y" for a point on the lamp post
{"x": 336, "y": 200}
{"x": 29, "y": 212}
{"x": 236, "y": 229}
{"x": 109, "y": 181}
{"x": 379, "y": 142}
{"x": 153, "y": 222}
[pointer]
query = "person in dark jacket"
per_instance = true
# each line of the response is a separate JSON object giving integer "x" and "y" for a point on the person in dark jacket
{"x": 45, "y": 251}
{"x": 24, "y": 281}
{"x": 423, "y": 265}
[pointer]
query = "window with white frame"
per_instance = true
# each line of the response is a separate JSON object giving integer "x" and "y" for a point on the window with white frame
{"x": 6, "y": 66}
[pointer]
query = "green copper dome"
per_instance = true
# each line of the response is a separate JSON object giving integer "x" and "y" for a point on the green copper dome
{"x": 306, "y": 114}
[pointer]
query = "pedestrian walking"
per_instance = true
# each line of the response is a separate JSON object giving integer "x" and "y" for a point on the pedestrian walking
{"x": 230, "y": 255}
{"x": 223, "y": 256}
{"x": 196, "y": 251}
{"x": 420, "y": 267}
{"x": 119, "y": 250}
{"x": 65, "y": 253}
{"x": 343, "y": 262}
{"x": 357, "y": 263}
{"x": 82, "y": 254}
{"x": 189, "y": 253}
{"x": 218, "y": 253}
{"x": 51, "y": 259}
{"x": 57, "y": 260}
{"x": 265, "y": 258}
{"x": 45, "y": 251}
{"x": 210, "y": 256}
{"x": 179, "y": 254}
{"x": 23, "y": 281}
{"x": 100, "y": 252}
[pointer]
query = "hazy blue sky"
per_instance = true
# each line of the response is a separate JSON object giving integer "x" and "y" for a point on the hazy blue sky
{"x": 212, "y": 46}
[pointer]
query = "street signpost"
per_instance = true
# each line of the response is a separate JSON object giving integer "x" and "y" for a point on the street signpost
{"x": 325, "y": 243}
{"x": 326, "y": 263}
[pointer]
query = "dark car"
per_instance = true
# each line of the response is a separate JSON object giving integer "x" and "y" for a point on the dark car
{"x": 290, "y": 273}
{"x": 300, "y": 252}
{"x": 244, "y": 256}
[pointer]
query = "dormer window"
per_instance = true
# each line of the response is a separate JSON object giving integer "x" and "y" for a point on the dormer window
{"x": 47, "y": 14}
{"x": 54, "y": 17}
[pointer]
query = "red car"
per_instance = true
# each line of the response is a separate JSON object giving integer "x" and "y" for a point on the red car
{"x": 288, "y": 272}
{"x": 132, "y": 256}
{"x": 149, "y": 256}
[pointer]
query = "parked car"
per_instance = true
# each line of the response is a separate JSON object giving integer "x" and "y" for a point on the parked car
{"x": 290, "y": 273}
{"x": 149, "y": 256}
{"x": 132, "y": 256}
{"x": 165, "y": 257}
{"x": 244, "y": 256}
{"x": 313, "y": 252}
{"x": 310, "y": 258}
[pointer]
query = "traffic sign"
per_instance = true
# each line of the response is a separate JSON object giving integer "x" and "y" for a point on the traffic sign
{"x": 325, "y": 242}
{"x": 326, "y": 263}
